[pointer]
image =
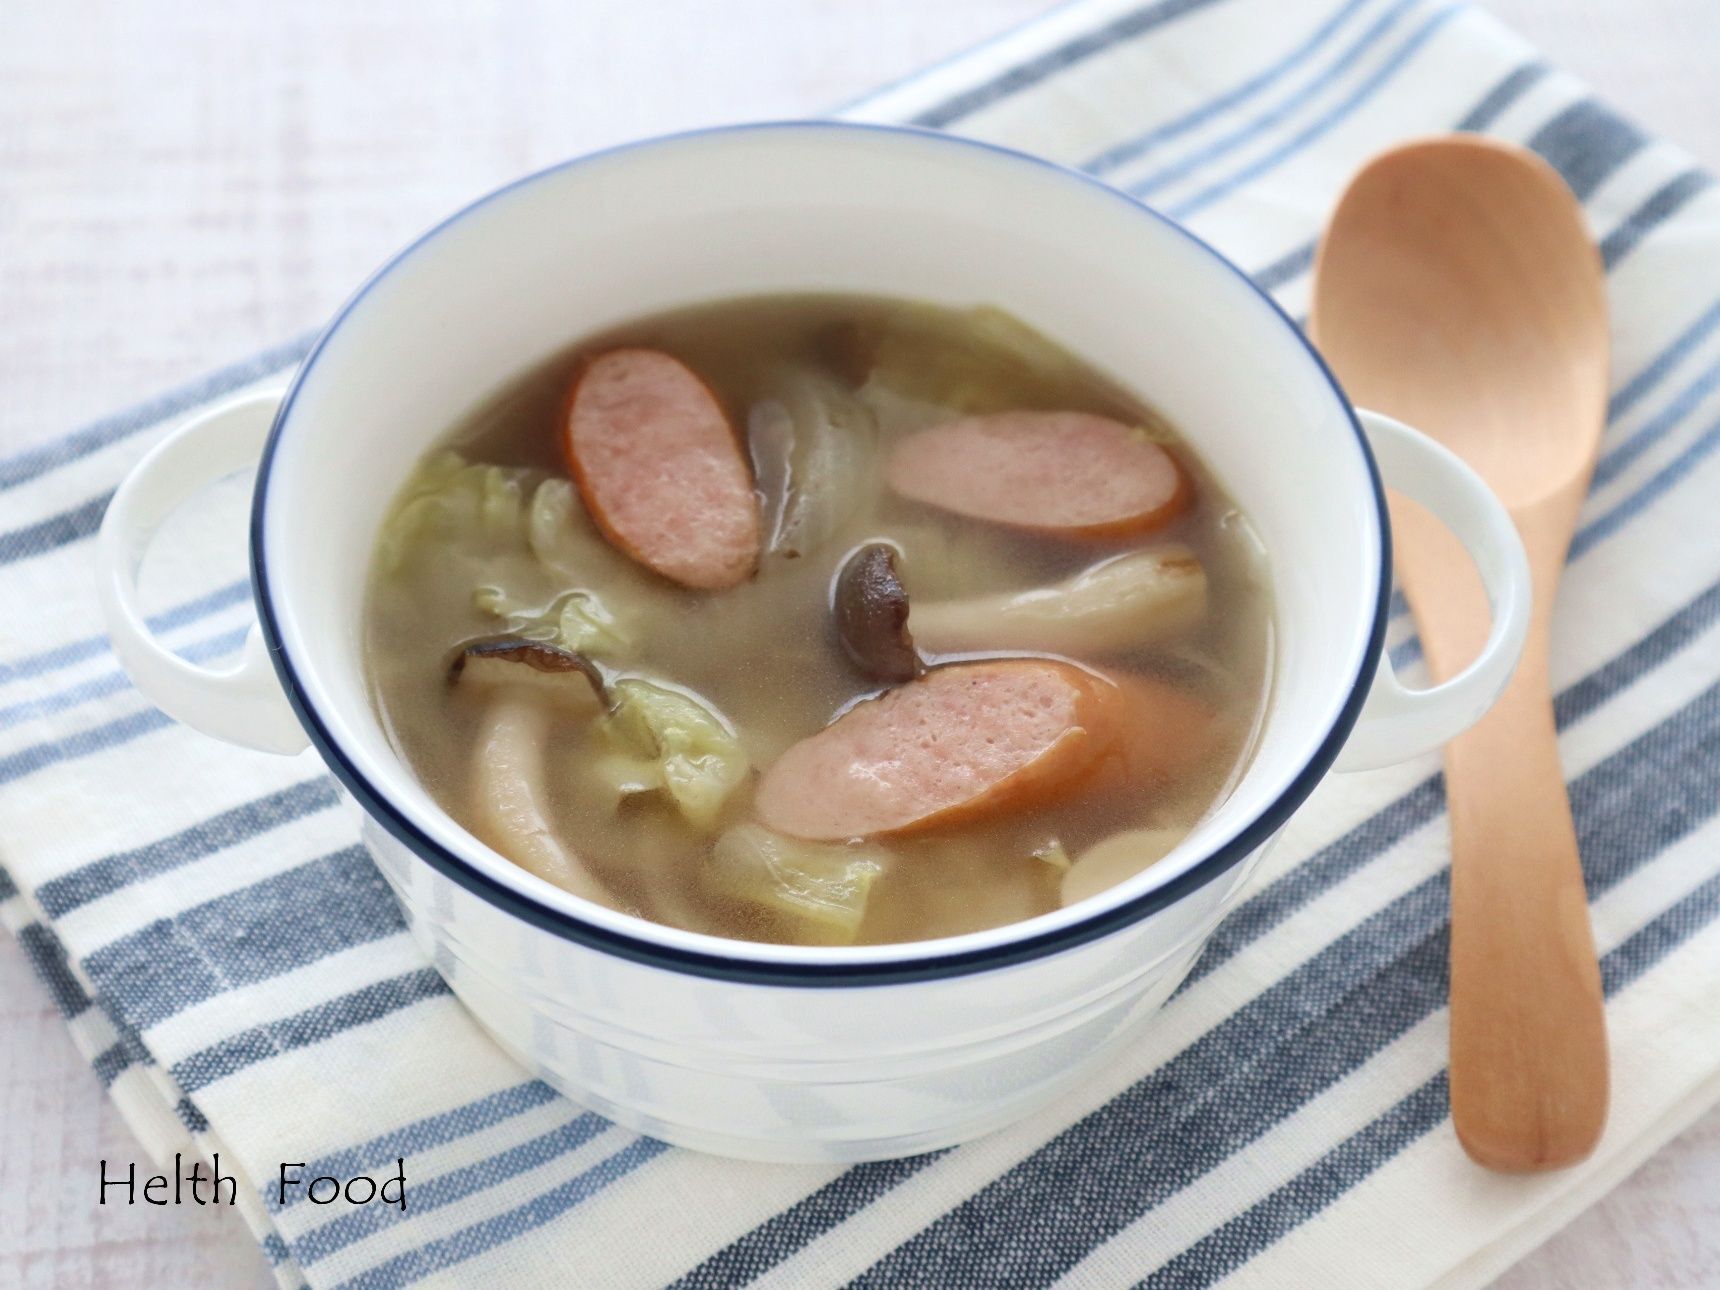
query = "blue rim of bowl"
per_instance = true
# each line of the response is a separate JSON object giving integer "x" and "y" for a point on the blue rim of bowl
{"x": 736, "y": 966}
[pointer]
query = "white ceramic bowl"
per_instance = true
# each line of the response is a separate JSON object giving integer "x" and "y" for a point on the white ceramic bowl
{"x": 782, "y": 1052}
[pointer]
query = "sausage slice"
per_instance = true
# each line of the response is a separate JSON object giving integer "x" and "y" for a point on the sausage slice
{"x": 965, "y": 740}
{"x": 660, "y": 469}
{"x": 1073, "y": 474}
{"x": 1164, "y": 731}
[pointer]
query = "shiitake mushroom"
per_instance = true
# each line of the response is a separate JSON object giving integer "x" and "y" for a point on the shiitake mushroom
{"x": 870, "y": 608}
{"x": 547, "y": 669}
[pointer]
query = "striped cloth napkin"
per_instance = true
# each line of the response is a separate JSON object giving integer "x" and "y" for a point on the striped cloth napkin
{"x": 241, "y": 980}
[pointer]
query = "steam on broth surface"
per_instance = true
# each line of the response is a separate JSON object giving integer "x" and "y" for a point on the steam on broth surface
{"x": 655, "y": 682}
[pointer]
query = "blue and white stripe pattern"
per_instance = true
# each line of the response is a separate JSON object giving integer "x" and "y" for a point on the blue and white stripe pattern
{"x": 240, "y": 979}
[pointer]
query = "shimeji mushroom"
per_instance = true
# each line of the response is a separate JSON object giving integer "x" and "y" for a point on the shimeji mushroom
{"x": 1130, "y": 600}
{"x": 1120, "y": 856}
{"x": 870, "y": 608}
{"x": 528, "y": 686}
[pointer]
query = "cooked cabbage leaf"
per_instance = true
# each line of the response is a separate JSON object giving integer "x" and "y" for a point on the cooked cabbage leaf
{"x": 451, "y": 500}
{"x": 524, "y": 536}
{"x": 577, "y": 621}
{"x": 965, "y": 360}
{"x": 822, "y": 888}
{"x": 814, "y": 447}
{"x": 661, "y": 740}
{"x": 1054, "y": 854}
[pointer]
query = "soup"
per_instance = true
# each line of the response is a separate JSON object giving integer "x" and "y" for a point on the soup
{"x": 820, "y": 619}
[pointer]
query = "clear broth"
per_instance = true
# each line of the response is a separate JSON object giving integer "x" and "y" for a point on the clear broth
{"x": 764, "y": 654}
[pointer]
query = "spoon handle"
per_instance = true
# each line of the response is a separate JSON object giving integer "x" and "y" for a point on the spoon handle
{"x": 1528, "y": 1031}
{"x": 1529, "y": 1081}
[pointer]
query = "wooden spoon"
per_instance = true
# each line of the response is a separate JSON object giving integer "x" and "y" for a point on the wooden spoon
{"x": 1458, "y": 289}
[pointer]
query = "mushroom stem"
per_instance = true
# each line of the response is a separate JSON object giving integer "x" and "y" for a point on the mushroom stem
{"x": 1127, "y": 601}
{"x": 527, "y": 687}
{"x": 510, "y": 797}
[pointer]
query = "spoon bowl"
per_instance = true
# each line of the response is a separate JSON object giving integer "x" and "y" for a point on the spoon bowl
{"x": 1457, "y": 288}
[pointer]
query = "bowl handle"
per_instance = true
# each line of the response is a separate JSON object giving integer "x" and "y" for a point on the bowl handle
{"x": 1398, "y": 723}
{"x": 243, "y": 704}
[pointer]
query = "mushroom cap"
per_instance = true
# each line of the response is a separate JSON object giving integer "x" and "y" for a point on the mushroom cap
{"x": 560, "y": 675}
